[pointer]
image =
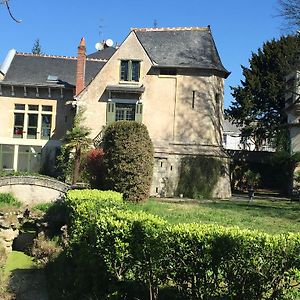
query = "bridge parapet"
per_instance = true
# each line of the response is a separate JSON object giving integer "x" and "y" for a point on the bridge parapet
{"x": 31, "y": 190}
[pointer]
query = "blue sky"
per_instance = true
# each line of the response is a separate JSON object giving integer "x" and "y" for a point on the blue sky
{"x": 239, "y": 27}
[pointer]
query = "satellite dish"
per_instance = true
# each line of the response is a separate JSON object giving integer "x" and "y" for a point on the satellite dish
{"x": 109, "y": 43}
{"x": 99, "y": 46}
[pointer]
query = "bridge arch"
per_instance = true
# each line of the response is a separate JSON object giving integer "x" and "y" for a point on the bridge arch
{"x": 31, "y": 190}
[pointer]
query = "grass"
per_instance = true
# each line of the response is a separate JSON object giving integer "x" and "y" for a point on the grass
{"x": 8, "y": 199}
{"x": 269, "y": 216}
{"x": 18, "y": 260}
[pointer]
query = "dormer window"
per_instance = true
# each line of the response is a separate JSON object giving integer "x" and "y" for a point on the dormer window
{"x": 130, "y": 70}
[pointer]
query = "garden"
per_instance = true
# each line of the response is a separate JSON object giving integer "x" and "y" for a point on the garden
{"x": 120, "y": 244}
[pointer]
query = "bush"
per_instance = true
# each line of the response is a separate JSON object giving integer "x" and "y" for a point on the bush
{"x": 95, "y": 168}
{"x": 128, "y": 159}
{"x": 9, "y": 199}
{"x": 139, "y": 251}
{"x": 44, "y": 250}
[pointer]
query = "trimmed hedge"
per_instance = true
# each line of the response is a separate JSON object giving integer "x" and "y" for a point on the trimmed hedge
{"x": 122, "y": 254}
{"x": 128, "y": 159}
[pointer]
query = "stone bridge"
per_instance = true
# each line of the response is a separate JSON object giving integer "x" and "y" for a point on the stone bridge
{"x": 31, "y": 190}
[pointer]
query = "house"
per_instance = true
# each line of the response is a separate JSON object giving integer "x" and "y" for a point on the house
{"x": 37, "y": 107}
{"x": 292, "y": 109}
{"x": 233, "y": 140}
{"x": 172, "y": 80}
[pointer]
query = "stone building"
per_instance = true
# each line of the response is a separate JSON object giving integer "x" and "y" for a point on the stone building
{"x": 170, "y": 79}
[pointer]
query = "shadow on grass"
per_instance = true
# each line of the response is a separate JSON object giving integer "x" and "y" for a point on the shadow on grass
{"x": 28, "y": 284}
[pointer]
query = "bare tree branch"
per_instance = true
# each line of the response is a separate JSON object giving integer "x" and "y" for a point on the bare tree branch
{"x": 9, "y": 11}
{"x": 289, "y": 10}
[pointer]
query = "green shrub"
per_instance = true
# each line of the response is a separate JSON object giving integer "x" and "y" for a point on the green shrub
{"x": 44, "y": 250}
{"x": 113, "y": 249}
{"x": 9, "y": 199}
{"x": 43, "y": 206}
{"x": 128, "y": 159}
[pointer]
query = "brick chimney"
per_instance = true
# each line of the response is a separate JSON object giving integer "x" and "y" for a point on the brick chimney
{"x": 80, "y": 72}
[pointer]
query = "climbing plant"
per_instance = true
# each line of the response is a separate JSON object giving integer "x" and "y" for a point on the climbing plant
{"x": 198, "y": 176}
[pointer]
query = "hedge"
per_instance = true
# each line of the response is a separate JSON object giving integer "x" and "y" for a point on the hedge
{"x": 128, "y": 159}
{"x": 116, "y": 248}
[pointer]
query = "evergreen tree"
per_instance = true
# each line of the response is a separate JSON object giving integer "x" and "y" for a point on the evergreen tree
{"x": 128, "y": 159}
{"x": 76, "y": 144}
{"x": 37, "y": 48}
{"x": 260, "y": 99}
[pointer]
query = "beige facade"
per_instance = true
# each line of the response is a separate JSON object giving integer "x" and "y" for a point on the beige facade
{"x": 183, "y": 111}
{"x": 33, "y": 121}
{"x": 172, "y": 80}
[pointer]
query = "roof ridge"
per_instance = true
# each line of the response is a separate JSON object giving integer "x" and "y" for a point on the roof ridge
{"x": 45, "y": 55}
{"x": 97, "y": 59}
{"x": 58, "y": 56}
{"x": 171, "y": 29}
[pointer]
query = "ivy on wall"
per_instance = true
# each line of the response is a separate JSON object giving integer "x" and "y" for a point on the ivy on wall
{"x": 198, "y": 176}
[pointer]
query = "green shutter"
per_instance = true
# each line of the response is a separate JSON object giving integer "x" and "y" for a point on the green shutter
{"x": 110, "y": 112}
{"x": 139, "y": 112}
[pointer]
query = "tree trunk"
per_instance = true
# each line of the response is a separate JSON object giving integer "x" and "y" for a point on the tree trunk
{"x": 76, "y": 166}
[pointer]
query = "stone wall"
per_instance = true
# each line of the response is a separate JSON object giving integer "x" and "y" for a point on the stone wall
{"x": 166, "y": 174}
{"x": 31, "y": 190}
{"x": 9, "y": 228}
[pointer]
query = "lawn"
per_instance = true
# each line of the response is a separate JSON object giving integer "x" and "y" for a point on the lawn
{"x": 277, "y": 216}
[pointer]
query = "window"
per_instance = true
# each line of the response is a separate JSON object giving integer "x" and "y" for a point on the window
{"x": 6, "y": 157}
{"x": 130, "y": 70}
{"x": 19, "y": 125}
{"x": 46, "y": 127}
{"x": 32, "y": 121}
{"x": 124, "y": 111}
{"x": 32, "y": 126}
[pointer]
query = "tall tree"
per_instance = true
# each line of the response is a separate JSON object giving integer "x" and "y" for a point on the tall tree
{"x": 289, "y": 10}
{"x": 37, "y": 48}
{"x": 76, "y": 144}
{"x": 260, "y": 99}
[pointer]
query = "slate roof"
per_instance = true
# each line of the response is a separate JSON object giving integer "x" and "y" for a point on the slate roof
{"x": 191, "y": 47}
{"x": 106, "y": 53}
{"x": 29, "y": 69}
{"x": 229, "y": 127}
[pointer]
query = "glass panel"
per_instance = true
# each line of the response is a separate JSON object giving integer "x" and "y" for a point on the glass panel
{"x": 7, "y": 157}
{"x": 29, "y": 158}
{"x": 33, "y": 107}
{"x": 20, "y": 106}
{"x": 46, "y": 127}
{"x": 8, "y": 160}
{"x": 46, "y": 108}
{"x": 23, "y": 149}
{"x": 23, "y": 162}
{"x": 125, "y": 112}
{"x": 8, "y": 148}
{"x": 135, "y": 70}
{"x": 32, "y": 126}
{"x": 19, "y": 125}
{"x": 119, "y": 114}
{"x": 124, "y": 70}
